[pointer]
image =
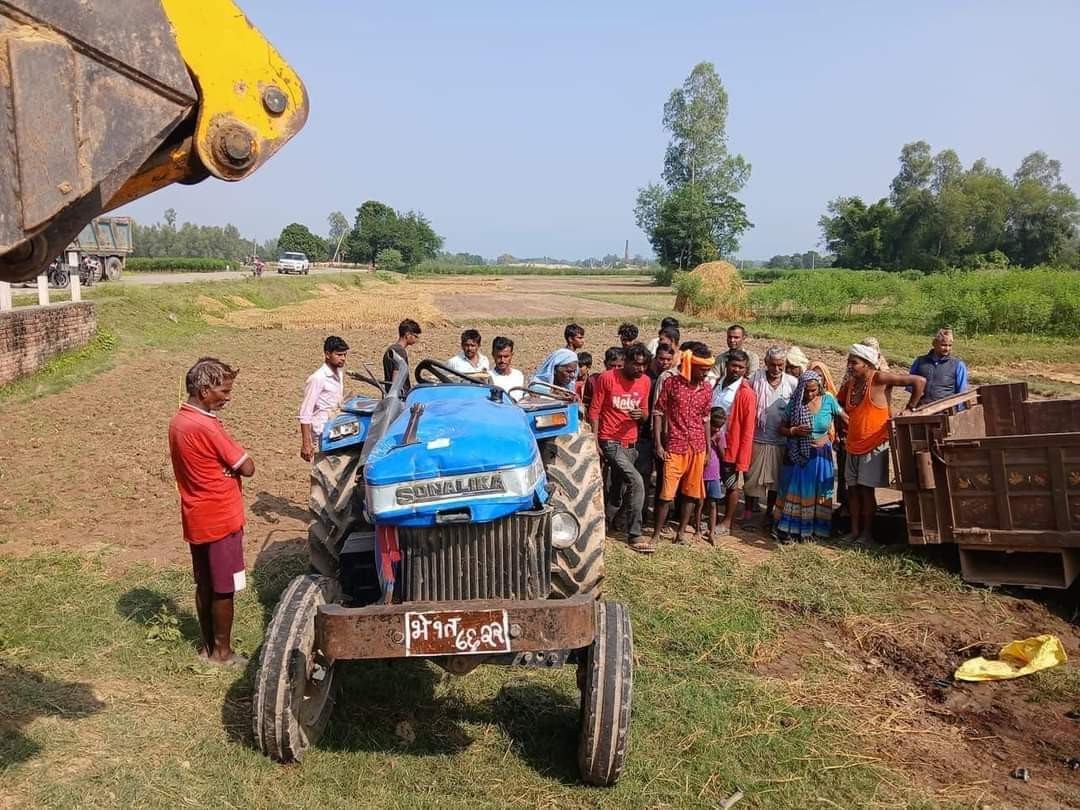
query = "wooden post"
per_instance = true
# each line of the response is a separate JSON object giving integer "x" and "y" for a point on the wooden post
{"x": 5, "y": 297}
{"x": 43, "y": 291}
{"x": 76, "y": 286}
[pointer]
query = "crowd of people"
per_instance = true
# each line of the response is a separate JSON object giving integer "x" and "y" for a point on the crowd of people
{"x": 681, "y": 433}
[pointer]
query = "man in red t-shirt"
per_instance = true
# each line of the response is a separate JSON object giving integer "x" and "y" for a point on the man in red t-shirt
{"x": 620, "y": 402}
{"x": 208, "y": 465}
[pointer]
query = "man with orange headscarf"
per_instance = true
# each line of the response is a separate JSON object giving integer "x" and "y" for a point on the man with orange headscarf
{"x": 684, "y": 405}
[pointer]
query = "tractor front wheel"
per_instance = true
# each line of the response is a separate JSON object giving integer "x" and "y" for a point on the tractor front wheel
{"x": 573, "y": 466}
{"x": 294, "y": 684}
{"x": 606, "y": 675}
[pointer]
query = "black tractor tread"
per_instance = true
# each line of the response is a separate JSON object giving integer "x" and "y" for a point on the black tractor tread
{"x": 607, "y": 694}
{"x": 277, "y": 730}
{"x": 578, "y": 488}
{"x": 334, "y": 482}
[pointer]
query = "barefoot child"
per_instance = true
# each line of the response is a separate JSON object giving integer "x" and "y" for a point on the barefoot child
{"x": 714, "y": 487}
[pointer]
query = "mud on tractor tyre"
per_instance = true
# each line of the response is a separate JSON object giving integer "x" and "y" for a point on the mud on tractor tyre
{"x": 333, "y": 497}
{"x": 294, "y": 690}
{"x": 574, "y": 469}
{"x": 606, "y": 676}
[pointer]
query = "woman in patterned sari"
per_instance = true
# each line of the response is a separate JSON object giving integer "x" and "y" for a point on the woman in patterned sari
{"x": 808, "y": 477}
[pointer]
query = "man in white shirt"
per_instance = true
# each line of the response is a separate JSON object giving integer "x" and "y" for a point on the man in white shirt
{"x": 504, "y": 375}
{"x": 469, "y": 360}
{"x": 773, "y": 389}
{"x": 323, "y": 393}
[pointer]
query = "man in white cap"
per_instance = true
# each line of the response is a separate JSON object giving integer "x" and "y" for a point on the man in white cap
{"x": 865, "y": 398}
{"x": 797, "y": 362}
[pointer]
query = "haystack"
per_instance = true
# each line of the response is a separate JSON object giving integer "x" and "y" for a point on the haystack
{"x": 713, "y": 290}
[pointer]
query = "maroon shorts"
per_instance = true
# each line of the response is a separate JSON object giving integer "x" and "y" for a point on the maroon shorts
{"x": 220, "y": 563}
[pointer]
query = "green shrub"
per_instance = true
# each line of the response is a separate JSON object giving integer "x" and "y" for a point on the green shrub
{"x": 390, "y": 260}
{"x": 179, "y": 264}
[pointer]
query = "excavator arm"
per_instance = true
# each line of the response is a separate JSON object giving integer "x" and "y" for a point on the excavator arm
{"x": 105, "y": 101}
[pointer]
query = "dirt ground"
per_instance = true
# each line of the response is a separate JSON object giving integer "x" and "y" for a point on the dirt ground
{"x": 88, "y": 469}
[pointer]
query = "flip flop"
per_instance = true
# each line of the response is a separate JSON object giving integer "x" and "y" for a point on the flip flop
{"x": 234, "y": 661}
{"x": 642, "y": 546}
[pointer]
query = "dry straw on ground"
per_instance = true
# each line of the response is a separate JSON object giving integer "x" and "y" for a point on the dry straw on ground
{"x": 712, "y": 290}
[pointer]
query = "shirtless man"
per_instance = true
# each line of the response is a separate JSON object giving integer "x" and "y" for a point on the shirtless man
{"x": 865, "y": 398}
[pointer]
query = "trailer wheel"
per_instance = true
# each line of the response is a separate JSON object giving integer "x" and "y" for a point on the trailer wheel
{"x": 294, "y": 686}
{"x": 61, "y": 278}
{"x": 606, "y": 675}
{"x": 574, "y": 469}
{"x": 114, "y": 268}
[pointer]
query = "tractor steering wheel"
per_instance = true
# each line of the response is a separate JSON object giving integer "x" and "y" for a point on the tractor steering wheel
{"x": 544, "y": 389}
{"x": 432, "y": 371}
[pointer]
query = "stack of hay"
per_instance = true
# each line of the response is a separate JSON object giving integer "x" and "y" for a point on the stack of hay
{"x": 712, "y": 290}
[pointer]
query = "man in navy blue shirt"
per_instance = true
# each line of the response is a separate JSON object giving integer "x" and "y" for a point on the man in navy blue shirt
{"x": 945, "y": 373}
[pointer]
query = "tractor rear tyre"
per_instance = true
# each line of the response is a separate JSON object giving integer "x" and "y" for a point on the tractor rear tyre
{"x": 114, "y": 268}
{"x": 294, "y": 686}
{"x": 579, "y": 489}
{"x": 334, "y": 482}
{"x": 606, "y": 675}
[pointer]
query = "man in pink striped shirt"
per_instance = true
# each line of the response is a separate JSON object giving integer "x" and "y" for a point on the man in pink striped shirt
{"x": 323, "y": 393}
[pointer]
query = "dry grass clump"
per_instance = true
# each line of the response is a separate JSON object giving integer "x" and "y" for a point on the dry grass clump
{"x": 711, "y": 290}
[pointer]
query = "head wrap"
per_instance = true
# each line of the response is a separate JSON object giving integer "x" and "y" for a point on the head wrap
{"x": 864, "y": 352}
{"x": 688, "y": 360}
{"x": 560, "y": 357}
{"x": 826, "y": 376}
{"x": 796, "y": 357}
{"x": 800, "y": 447}
{"x": 882, "y": 364}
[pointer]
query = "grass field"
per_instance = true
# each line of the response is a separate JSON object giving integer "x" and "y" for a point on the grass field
{"x": 806, "y": 676}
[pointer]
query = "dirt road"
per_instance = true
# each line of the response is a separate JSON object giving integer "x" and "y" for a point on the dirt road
{"x": 153, "y": 279}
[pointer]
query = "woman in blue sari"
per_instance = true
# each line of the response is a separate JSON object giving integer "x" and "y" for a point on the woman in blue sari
{"x": 808, "y": 477}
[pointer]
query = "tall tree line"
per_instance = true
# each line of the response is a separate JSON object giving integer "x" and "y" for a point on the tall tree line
{"x": 939, "y": 214}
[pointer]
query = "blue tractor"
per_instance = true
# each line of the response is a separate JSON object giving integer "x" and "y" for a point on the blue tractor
{"x": 458, "y": 525}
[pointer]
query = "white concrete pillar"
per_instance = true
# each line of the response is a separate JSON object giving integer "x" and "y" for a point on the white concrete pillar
{"x": 76, "y": 287}
{"x": 43, "y": 290}
{"x": 5, "y": 297}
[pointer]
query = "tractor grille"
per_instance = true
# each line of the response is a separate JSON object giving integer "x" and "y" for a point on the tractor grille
{"x": 509, "y": 558}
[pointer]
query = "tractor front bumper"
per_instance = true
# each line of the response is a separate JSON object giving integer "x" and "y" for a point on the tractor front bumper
{"x": 485, "y": 627}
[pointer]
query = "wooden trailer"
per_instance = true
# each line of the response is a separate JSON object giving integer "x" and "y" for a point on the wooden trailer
{"x": 997, "y": 474}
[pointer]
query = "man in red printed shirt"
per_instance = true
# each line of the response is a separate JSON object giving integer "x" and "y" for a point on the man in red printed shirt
{"x": 208, "y": 464}
{"x": 620, "y": 402}
{"x": 685, "y": 405}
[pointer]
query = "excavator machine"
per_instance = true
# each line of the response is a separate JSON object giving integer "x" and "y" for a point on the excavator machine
{"x": 105, "y": 101}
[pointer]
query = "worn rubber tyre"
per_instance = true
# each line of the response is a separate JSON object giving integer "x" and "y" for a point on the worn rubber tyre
{"x": 60, "y": 278}
{"x": 579, "y": 489}
{"x": 290, "y": 708}
{"x": 114, "y": 268}
{"x": 334, "y": 497}
{"x": 607, "y": 686}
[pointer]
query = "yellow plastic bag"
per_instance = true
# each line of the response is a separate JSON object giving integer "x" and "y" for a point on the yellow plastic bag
{"x": 1016, "y": 658}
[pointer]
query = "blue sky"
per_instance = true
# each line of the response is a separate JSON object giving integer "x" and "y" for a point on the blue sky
{"x": 528, "y": 128}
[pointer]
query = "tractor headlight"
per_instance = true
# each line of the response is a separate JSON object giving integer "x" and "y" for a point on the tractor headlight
{"x": 343, "y": 430}
{"x": 564, "y": 530}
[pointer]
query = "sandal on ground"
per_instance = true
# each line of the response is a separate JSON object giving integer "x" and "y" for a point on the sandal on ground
{"x": 642, "y": 546}
{"x": 684, "y": 539}
{"x": 667, "y": 533}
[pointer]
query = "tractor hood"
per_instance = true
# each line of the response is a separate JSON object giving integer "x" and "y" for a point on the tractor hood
{"x": 474, "y": 460}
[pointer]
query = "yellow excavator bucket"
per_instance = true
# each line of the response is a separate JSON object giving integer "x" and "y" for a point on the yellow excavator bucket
{"x": 104, "y": 102}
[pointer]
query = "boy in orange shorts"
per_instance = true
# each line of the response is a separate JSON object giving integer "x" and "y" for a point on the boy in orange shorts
{"x": 684, "y": 405}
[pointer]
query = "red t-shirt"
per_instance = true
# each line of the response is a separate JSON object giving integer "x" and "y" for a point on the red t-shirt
{"x": 613, "y": 398}
{"x": 686, "y": 407}
{"x": 203, "y": 456}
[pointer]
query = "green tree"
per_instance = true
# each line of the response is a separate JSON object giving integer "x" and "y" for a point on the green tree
{"x": 378, "y": 227}
{"x": 297, "y": 238}
{"x": 390, "y": 260}
{"x": 339, "y": 226}
{"x": 694, "y": 215}
{"x": 1043, "y": 212}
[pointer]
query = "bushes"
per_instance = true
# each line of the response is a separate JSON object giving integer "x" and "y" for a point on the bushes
{"x": 180, "y": 264}
{"x": 972, "y": 302}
